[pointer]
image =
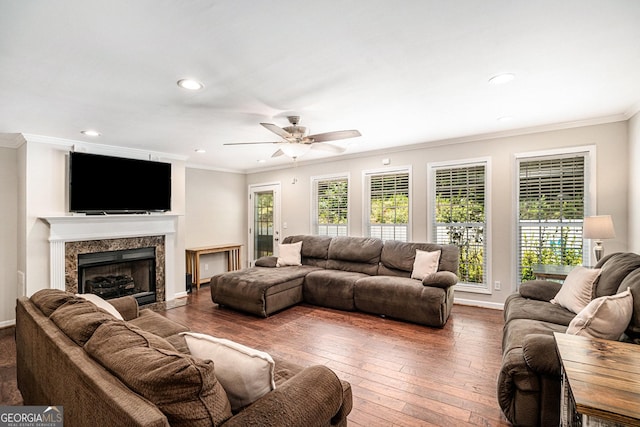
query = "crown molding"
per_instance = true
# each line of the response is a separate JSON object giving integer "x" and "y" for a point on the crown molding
{"x": 11, "y": 140}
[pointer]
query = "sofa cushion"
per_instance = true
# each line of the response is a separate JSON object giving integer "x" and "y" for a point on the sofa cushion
{"x": 577, "y": 289}
{"x": 315, "y": 249}
{"x": 397, "y": 258}
{"x": 515, "y": 332}
{"x": 613, "y": 271}
{"x": 267, "y": 261}
{"x": 632, "y": 282}
{"x": 289, "y": 254}
{"x": 425, "y": 263}
{"x": 605, "y": 317}
{"x": 48, "y": 300}
{"x": 157, "y": 324}
{"x": 184, "y": 388}
{"x": 79, "y": 318}
{"x": 101, "y": 303}
{"x": 356, "y": 254}
{"x": 331, "y": 288}
{"x": 246, "y": 374}
{"x": 518, "y": 307}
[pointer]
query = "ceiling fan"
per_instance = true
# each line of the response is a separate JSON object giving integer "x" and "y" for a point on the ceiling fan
{"x": 296, "y": 143}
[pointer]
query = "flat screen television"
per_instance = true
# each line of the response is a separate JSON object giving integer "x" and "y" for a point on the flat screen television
{"x": 105, "y": 184}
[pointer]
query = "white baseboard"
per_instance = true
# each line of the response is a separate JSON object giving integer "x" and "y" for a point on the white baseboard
{"x": 7, "y": 323}
{"x": 476, "y": 303}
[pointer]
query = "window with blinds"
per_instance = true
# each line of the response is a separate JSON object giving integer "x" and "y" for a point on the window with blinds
{"x": 551, "y": 208}
{"x": 388, "y": 205}
{"x": 330, "y": 206}
{"x": 460, "y": 217}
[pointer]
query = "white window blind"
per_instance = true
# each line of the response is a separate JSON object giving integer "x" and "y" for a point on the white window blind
{"x": 388, "y": 205}
{"x": 551, "y": 208}
{"x": 460, "y": 217}
{"x": 331, "y": 206}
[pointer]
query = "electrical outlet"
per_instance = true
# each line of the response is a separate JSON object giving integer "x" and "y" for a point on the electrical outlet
{"x": 496, "y": 285}
{"x": 206, "y": 267}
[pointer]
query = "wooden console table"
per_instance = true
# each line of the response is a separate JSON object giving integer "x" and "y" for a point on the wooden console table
{"x": 554, "y": 272}
{"x": 193, "y": 259}
{"x": 600, "y": 382}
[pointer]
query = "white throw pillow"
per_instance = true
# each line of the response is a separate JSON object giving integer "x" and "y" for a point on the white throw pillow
{"x": 245, "y": 374}
{"x": 289, "y": 254}
{"x": 576, "y": 291}
{"x": 605, "y": 317}
{"x": 101, "y": 303}
{"x": 425, "y": 263}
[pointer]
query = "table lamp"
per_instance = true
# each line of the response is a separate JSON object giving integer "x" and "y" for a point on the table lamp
{"x": 598, "y": 228}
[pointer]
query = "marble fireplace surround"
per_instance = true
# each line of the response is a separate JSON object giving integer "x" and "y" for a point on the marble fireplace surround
{"x": 73, "y": 234}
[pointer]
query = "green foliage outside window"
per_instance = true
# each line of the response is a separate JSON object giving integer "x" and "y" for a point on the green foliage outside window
{"x": 332, "y": 202}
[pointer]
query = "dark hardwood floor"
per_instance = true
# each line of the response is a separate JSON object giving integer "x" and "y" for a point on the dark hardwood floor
{"x": 401, "y": 374}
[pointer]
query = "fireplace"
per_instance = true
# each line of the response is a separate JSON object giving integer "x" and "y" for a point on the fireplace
{"x": 113, "y": 274}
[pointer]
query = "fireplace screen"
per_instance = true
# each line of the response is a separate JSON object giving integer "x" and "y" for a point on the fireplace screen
{"x": 118, "y": 273}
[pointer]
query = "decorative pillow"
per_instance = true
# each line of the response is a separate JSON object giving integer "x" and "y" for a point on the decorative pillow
{"x": 289, "y": 254}
{"x": 78, "y": 319}
{"x": 576, "y": 291}
{"x": 425, "y": 263}
{"x": 605, "y": 317}
{"x": 48, "y": 300}
{"x": 267, "y": 261}
{"x": 184, "y": 388}
{"x": 98, "y": 301}
{"x": 245, "y": 374}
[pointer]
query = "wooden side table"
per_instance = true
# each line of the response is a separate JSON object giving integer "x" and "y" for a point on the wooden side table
{"x": 193, "y": 259}
{"x": 600, "y": 382}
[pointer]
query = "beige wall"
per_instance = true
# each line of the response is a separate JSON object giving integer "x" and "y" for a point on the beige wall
{"x": 612, "y": 186}
{"x": 215, "y": 213}
{"x": 634, "y": 183}
{"x": 9, "y": 286}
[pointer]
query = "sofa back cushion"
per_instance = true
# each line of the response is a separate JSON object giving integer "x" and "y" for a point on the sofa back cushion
{"x": 355, "y": 254}
{"x": 397, "y": 258}
{"x": 48, "y": 300}
{"x": 315, "y": 249}
{"x": 79, "y": 318}
{"x": 632, "y": 282}
{"x": 184, "y": 388}
{"x": 614, "y": 269}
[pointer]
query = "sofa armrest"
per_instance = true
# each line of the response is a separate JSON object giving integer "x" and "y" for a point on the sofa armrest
{"x": 310, "y": 398}
{"x": 540, "y": 354}
{"x": 266, "y": 261}
{"x": 440, "y": 279}
{"x": 126, "y": 306}
{"x": 541, "y": 290}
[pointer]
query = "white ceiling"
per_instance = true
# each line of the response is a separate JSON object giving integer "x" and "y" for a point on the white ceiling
{"x": 401, "y": 72}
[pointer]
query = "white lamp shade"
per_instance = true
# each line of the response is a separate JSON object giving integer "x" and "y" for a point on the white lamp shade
{"x": 598, "y": 227}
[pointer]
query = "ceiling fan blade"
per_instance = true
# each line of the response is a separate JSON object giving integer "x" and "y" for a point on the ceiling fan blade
{"x": 277, "y": 130}
{"x": 327, "y": 147}
{"x": 334, "y": 136}
{"x": 277, "y": 153}
{"x": 249, "y": 143}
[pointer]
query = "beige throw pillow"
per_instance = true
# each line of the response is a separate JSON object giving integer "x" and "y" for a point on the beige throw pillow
{"x": 245, "y": 374}
{"x": 425, "y": 263}
{"x": 605, "y": 317}
{"x": 289, "y": 254}
{"x": 101, "y": 303}
{"x": 576, "y": 291}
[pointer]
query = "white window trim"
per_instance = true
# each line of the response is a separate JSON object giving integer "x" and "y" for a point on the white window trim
{"x": 366, "y": 197}
{"x": 313, "y": 213}
{"x": 485, "y": 288}
{"x": 590, "y": 196}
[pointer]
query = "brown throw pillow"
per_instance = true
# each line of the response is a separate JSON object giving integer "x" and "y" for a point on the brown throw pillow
{"x": 79, "y": 318}
{"x": 184, "y": 388}
{"x": 48, "y": 300}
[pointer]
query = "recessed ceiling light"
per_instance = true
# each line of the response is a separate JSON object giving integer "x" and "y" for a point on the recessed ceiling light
{"x": 501, "y": 79}
{"x": 200, "y": 150}
{"x": 190, "y": 84}
{"x": 90, "y": 133}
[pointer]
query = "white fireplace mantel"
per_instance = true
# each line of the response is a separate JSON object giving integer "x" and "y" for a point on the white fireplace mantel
{"x": 73, "y": 228}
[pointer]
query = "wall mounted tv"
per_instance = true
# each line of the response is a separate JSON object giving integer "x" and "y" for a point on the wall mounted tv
{"x": 105, "y": 185}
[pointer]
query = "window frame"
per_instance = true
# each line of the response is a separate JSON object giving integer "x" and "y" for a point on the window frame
{"x": 366, "y": 195}
{"x": 589, "y": 153}
{"x": 479, "y": 288}
{"x": 315, "y": 180}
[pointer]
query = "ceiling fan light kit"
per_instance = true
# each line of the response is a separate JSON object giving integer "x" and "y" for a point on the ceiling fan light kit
{"x": 296, "y": 143}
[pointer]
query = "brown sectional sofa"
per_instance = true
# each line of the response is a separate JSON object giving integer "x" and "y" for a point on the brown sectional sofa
{"x": 73, "y": 354}
{"x": 529, "y": 380}
{"x": 346, "y": 273}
